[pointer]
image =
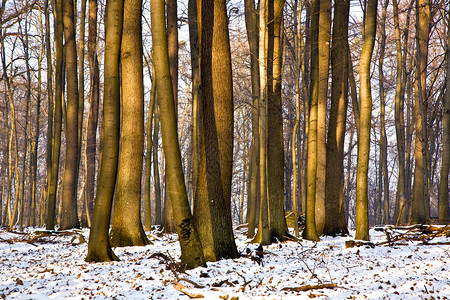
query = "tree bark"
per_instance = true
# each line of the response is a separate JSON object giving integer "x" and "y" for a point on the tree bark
{"x": 400, "y": 214}
{"x": 191, "y": 248}
{"x": 91, "y": 140}
{"x": 383, "y": 139}
{"x": 251, "y": 22}
{"x": 335, "y": 220}
{"x": 99, "y": 248}
{"x": 310, "y": 232}
{"x": 443, "y": 184}
{"x": 420, "y": 203}
{"x": 212, "y": 206}
{"x": 126, "y": 227}
{"x": 57, "y": 120}
{"x": 324, "y": 65}
{"x": 70, "y": 181}
{"x": 362, "y": 212}
{"x": 275, "y": 141}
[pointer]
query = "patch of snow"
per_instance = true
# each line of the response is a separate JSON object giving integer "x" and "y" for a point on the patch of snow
{"x": 55, "y": 269}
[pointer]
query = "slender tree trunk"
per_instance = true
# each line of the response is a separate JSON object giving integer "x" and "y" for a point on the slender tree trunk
{"x": 443, "y": 184}
{"x": 295, "y": 132}
{"x": 383, "y": 139}
{"x": 191, "y": 248}
{"x": 420, "y": 201}
{"x": 148, "y": 156}
{"x": 172, "y": 42}
{"x": 251, "y": 22}
{"x": 263, "y": 233}
{"x": 156, "y": 168}
{"x": 324, "y": 65}
{"x": 25, "y": 42}
{"x": 362, "y": 212}
{"x": 99, "y": 248}
{"x": 57, "y": 120}
{"x": 400, "y": 215}
{"x": 335, "y": 220}
{"x": 91, "y": 140}
{"x": 81, "y": 104}
{"x": 70, "y": 180}
{"x": 196, "y": 89}
{"x": 306, "y": 80}
{"x": 310, "y": 232}
{"x": 51, "y": 112}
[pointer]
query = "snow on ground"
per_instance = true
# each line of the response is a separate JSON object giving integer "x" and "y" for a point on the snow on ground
{"x": 54, "y": 268}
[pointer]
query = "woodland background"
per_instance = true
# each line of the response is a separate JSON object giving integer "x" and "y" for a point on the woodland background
{"x": 380, "y": 86}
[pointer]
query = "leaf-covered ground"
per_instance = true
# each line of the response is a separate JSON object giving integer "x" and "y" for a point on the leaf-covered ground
{"x": 401, "y": 265}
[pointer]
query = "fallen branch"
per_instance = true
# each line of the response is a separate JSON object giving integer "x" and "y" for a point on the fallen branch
{"x": 305, "y": 288}
{"x": 183, "y": 289}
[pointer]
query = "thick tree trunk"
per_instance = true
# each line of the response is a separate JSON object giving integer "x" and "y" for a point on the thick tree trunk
{"x": 213, "y": 218}
{"x": 275, "y": 146}
{"x": 126, "y": 227}
{"x": 335, "y": 220}
{"x": 362, "y": 202}
{"x": 99, "y": 248}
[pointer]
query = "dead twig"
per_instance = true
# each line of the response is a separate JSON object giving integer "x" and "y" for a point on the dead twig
{"x": 305, "y": 288}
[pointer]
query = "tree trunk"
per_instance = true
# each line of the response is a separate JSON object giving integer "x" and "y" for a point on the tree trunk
{"x": 99, "y": 248}
{"x": 400, "y": 215}
{"x": 191, "y": 248}
{"x": 148, "y": 155}
{"x": 213, "y": 218}
{"x": 263, "y": 233}
{"x": 57, "y": 120}
{"x": 70, "y": 180}
{"x": 383, "y": 139}
{"x": 156, "y": 168}
{"x": 335, "y": 220}
{"x": 420, "y": 201}
{"x": 196, "y": 89}
{"x": 443, "y": 184}
{"x": 310, "y": 232}
{"x": 251, "y": 22}
{"x": 51, "y": 111}
{"x": 172, "y": 43}
{"x": 126, "y": 227}
{"x": 295, "y": 132}
{"x": 91, "y": 140}
{"x": 362, "y": 212}
{"x": 275, "y": 146}
{"x": 324, "y": 65}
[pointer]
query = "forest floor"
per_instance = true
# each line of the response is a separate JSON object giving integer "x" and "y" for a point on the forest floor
{"x": 399, "y": 263}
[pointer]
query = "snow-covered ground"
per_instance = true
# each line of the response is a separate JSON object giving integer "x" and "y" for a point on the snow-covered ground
{"x": 54, "y": 268}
